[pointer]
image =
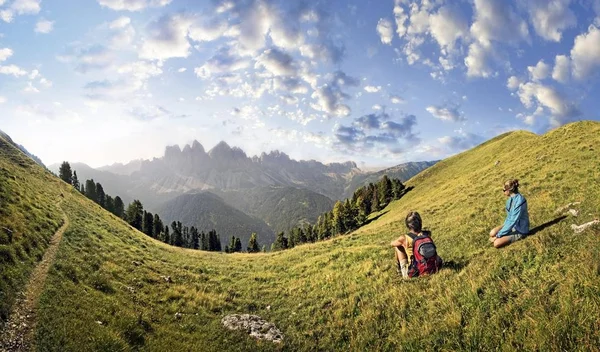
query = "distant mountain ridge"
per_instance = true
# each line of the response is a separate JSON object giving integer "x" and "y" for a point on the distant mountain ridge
{"x": 207, "y": 211}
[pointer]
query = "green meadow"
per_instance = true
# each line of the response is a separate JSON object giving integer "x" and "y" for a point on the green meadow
{"x": 106, "y": 290}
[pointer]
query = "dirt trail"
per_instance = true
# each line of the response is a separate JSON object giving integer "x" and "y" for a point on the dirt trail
{"x": 18, "y": 334}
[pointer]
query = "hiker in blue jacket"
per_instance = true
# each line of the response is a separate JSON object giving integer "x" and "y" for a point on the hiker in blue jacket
{"x": 516, "y": 225}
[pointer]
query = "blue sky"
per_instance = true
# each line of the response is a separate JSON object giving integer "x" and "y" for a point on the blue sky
{"x": 377, "y": 82}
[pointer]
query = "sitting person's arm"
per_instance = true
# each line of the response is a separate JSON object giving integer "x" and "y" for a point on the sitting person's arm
{"x": 400, "y": 241}
{"x": 513, "y": 216}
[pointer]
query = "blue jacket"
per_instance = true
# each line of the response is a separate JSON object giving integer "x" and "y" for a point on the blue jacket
{"x": 517, "y": 218}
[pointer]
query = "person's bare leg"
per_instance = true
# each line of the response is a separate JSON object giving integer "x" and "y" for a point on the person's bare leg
{"x": 502, "y": 241}
{"x": 494, "y": 232}
{"x": 400, "y": 255}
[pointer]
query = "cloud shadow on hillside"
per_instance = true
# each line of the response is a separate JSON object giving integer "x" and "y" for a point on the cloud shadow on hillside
{"x": 543, "y": 226}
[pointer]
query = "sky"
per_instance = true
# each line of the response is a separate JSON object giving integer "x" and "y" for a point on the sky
{"x": 377, "y": 82}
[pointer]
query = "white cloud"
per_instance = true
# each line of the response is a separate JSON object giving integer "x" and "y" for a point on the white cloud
{"x": 141, "y": 70}
{"x": 278, "y": 62}
{"x": 377, "y": 107}
{"x": 167, "y": 38}
{"x": 132, "y": 5}
{"x": 12, "y": 70}
{"x": 495, "y": 21}
{"x": 372, "y": 89}
{"x": 182, "y": 69}
{"x": 540, "y": 71}
{"x": 385, "y": 30}
{"x": 89, "y": 58}
{"x": 551, "y": 17}
{"x": 400, "y": 18}
{"x": 534, "y": 94}
{"x": 513, "y": 83}
{"x": 562, "y": 69}
{"x": 122, "y": 32}
{"x": 478, "y": 61}
{"x": 446, "y": 113}
{"x": 5, "y": 53}
{"x": 26, "y": 7}
{"x": 2, "y": 99}
{"x": 224, "y": 61}
{"x": 44, "y": 26}
{"x": 585, "y": 56}
{"x": 30, "y": 88}
{"x": 448, "y": 25}
{"x": 208, "y": 31}
{"x": 396, "y": 99}
{"x": 46, "y": 83}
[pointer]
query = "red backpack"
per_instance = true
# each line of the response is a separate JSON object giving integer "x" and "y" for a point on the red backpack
{"x": 425, "y": 260}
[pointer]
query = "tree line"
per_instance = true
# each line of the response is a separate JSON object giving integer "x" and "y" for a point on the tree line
{"x": 346, "y": 216}
{"x": 148, "y": 223}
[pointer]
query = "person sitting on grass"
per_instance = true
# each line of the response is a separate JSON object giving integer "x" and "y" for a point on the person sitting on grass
{"x": 415, "y": 252}
{"x": 516, "y": 225}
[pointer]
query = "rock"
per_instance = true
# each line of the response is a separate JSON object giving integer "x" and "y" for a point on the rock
{"x": 254, "y": 325}
{"x": 178, "y": 315}
{"x": 167, "y": 278}
{"x": 583, "y": 227}
{"x": 136, "y": 263}
{"x": 573, "y": 212}
{"x": 99, "y": 322}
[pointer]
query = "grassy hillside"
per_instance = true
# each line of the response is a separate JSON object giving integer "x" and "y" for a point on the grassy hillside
{"x": 282, "y": 208}
{"x": 206, "y": 211}
{"x": 106, "y": 291}
{"x": 28, "y": 218}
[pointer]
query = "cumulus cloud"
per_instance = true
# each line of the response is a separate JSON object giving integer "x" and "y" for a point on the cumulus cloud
{"x": 224, "y": 61}
{"x": 562, "y": 69}
{"x": 540, "y": 71}
{"x": 277, "y": 62}
{"x": 536, "y": 95}
{"x": 149, "y": 112}
{"x": 107, "y": 90}
{"x": 329, "y": 97}
{"x": 132, "y": 5}
{"x": 513, "y": 83}
{"x": 88, "y": 58}
{"x": 5, "y": 53}
{"x": 20, "y": 7}
{"x": 395, "y": 99}
{"x": 446, "y": 112}
{"x": 167, "y": 38}
{"x": 495, "y": 21}
{"x": 372, "y": 89}
{"x": 585, "y": 56}
{"x": 462, "y": 142}
{"x": 122, "y": 32}
{"x": 13, "y": 70}
{"x": 448, "y": 25}
{"x": 373, "y": 131}
{"x": 44, "y": 26}
{"x": 385, "y": 30}
{"x": 551, "y": 18}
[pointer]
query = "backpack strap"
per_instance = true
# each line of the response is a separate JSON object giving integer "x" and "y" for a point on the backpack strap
{"x": 412, "y": 237}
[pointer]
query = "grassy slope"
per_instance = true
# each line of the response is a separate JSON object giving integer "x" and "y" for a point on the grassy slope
{"x": 542, "y": 293}
{"x": 28, "y": 196}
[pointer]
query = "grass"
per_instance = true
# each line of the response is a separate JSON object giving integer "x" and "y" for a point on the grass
{"x": 106, "y": 290}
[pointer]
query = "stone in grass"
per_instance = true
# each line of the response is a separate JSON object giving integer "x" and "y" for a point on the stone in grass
{"x": 254, "y": 325}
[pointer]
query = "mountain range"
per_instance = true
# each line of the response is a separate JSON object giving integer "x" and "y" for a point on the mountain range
{"x": 272, "y": 187}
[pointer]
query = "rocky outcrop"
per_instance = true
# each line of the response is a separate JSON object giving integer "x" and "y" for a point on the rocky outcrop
{"x": 254, "y": 325}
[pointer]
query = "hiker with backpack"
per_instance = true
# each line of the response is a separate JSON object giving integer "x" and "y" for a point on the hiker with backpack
{"x": 415, "y": 252}
{"x": 516, "y": 225}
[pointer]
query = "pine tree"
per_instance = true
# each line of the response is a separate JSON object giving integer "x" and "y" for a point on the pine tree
{"x": 134, "y": 214}
{"x": 100, "y": 195}
{"x": 82, "y": 189}
{"x": 397, "y": 188}
{"x": 109, "y": 204}
{"x": 337, "y": 222}
{"x": 167, "y": 238}
{"x": 177, "y": 235}
{"x": 384, "y": 188}
{"x": 253, "y": 246}
{"x": 195, "y": 238}
{"x": 229, "y": 248}
{"x": 90, "y": 190}
{"x": 75, "y": 180}
{"x": 65, "y": 173}
{"x": 238, "y": 245}
{"x": 119, "y": 207}
{"x": 375, "y": 202}
{"x": 203, "y": 241}
{"x": 281, "y": 242}
{"x": 362, "y": 212}
{"x": 158, "y": 227}
{"x": 148, "y": 225}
